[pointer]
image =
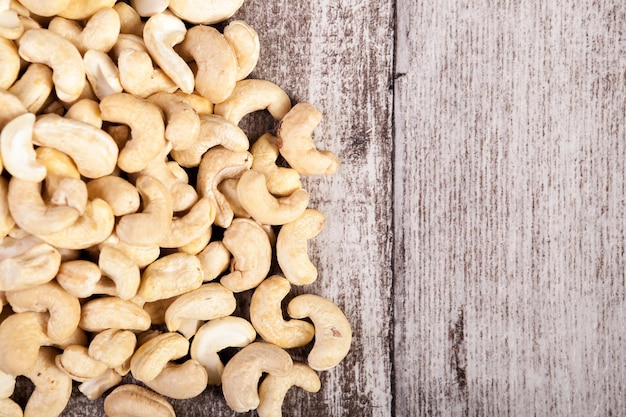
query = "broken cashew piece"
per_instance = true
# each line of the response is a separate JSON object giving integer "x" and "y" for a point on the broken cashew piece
{"x": 252, "y": 95}
{"x": 333, "y": 335}
{"x": 135, "y": 401}
{"x": 273, "y": 389}
{"x": 18, "y": 153}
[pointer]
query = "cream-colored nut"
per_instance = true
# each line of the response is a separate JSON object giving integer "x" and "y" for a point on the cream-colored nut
{"x": 180, "y": 381}
{"x": 63, "y": 308}
{"x": 280, "y": 181}
{"x": 91, "y": 228}
{"x": 192, "y": 225}
{"x": 252, "y": 254}
{"x": 121, "y": 195}
{"x": 214, "y": 131}
{"x": 9, "y": 408}
{"x": 113, "y": 313}
{"x": 265, "y": 208}
{"x": 139, "y": 77}
{"x": 208, "y": 302}
{"x": 18, "y": 153}
{"x": 216, "y": 61}
{"x": 148, "y": 8}
{"x": 152, "y": 356}
{"x": 10, "y": 63}
{"x": 207, "y": 12}
{"x": 58, "y": 165}
{"x": 37, "y": 265}
{"x": 156, "y": 309}
{"x": 94, "y": 388}
{"x": 214, "y": 259}
{"x": 169, "y": 276}
{"x": 16, "y": 243}
{"x": 182, "y": 122}
{"x": 267, "y": 317}
{"x": 215, "y": 336}
{"x": 197, "y": 245}
{"x": 228, "y": 188}
{"x": 147, "y": 128}
{"x": 10, "y": 108}
{"x": 113, "y": 347}
{"x": 6, "y": 220}
{"x": 135, "y": 401}
{"x": 161, "y": 32}
{"x": 218, "y": 164}
{"x": 122, "y": 272}
{"x": 148, "y": 227}
{"x": 332, "y": 329}
{"x": 68, "y": 70}
{"x": 78, "y": 365}
{"x": 245, "y": 42}
{"x": 291, "y": 247}
{"x": 11, "y": 27}
{"x": 84, "y": 9}
{"x": 87, "y": 111}
{"x": 296, "y": 144}
{"x": 21, "y": 336}
{"x": 53, "y": 388}
{"x": 142, "y": 256}
{"x": 34, "y": 87}
{"x": 79, "y": 337}
{"x": 102, "y": 73}
{"x": 93, "y": 151}
{"x": 79, "y": 277}
{"x": 200, "y": 103}
{"x": 99, "y": 34}
{"x": 241, "y": 374}
{"x": 128, "y": 42}
{"x": 254, "y": 95}
{"x": 45, "y": 8}
{"x": 130, "y": 21}
{"x": 63, "y": 185}
{"x": 273, "y": 389}
{"x": 7, "y": 385}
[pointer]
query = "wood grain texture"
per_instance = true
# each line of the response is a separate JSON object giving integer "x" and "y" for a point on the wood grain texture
{"x": 509, "y": 207}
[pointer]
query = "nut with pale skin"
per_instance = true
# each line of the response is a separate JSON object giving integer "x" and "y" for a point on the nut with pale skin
{"x": 87, "y": 111}
{"x": 79, "y": 277}
{"x": 198, "y": 244}
{"x": 11, "y": 26}
{"x": 152, "y": 356}
{"x": 122, "y": 273}
{"x": 273, "y": 389}
{"x": 280, "y": 181}
{"x": 142, "y": 256}
{"x": 214, "y": 259}
{"x": 185, "y": 229}
{"x": 21, "y": 336}
{"x": 45, "y": 8}
{"x": 10, "y": 108}
{"x": 182, "y": 123}
{"x": 135, "y": 401}
{"x": 245, "y": 42}
{"x": 267, "y": 317}
{"x": 36, "y": 265}
{"x": 53, "y": 388}
{"x": 7, "y": 384}
{"x": 170, "y": 276}
{"x": 139, "y": 77}
{"x": 205, "y": 12}
{"x": 9, "y": 408}
{"x": 102, "y": 74}
{"x": 34, "y": 87}
{"x": 253, "y": 95}
{"x": 130, "y": 21}
{"x": 76, "y": 362}
{"x": 63, "y": 185}
{"x": 180, "y": 381}
{"x": 241, "y": 374}
{"x": 112, "y": 313}
{"x": 200, "y": 103}
{"x": 18, "y": 153}
{"x": 120, "y": 194}
{"x": 99, "y": 34}
{"x": 6, "y": 220}
{"x": 113, "y": 347}
{"x": 84, "y": 9}
{"x": 228, "y": 188}
{"x": 94, "y": 388}
{"x": 148, "y": 8}
{"x": 10, "y": 63}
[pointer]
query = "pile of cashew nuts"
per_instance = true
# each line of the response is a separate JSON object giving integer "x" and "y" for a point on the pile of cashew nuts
{"x": 136, "y": 215}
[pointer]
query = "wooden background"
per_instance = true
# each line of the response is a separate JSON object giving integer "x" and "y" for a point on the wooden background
{"x": 475, "y": 232}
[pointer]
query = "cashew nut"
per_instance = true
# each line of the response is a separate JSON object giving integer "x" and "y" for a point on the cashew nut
{"x": 63, "y": 185}
{"x": 273, "y": 389}
{"x": 202, "y": 11}
{"x": 265, "y": 208}
{"x": 113, "y": 347}
{"x": 94, "y": 388}
{"x": 11, "y": 26}
{"x": 99, "y": 34}
{"x": 79, "y": 277}
{"x": 34, "y": 87}
{"x": 121, "y": 270}
{"x": 182, "y": 121}
{"x": 135, "y": 401}
{"x": 76, "y": 362}
{"x": 185, "y": 229}
{"x": 200, "y": 103}
{"x": 139, "y": 77}
{"x": 280, "y": 181}
{"x": 142, "y": 256}
{"x": 253, "y": 95}
{"x": 45, "y": 8}
{"x": 87, "y": 111}
{"x": 84, "y": 9}
{"x": 242, "y": 373}
{"x": 180, "y": 381}
{"x": 214, "y": 259}
{"x": 121, "y": 195}
{"x": 228, "y": 188}
{"x": 36, "y": 265}
{"x": 169, "y": 276}
{"x": 10, "y": 63}
{"x": 102, "y": 74}
{"x": 333, "y": 335}
{"x": 7, "y": 385}
{"x": 152, "y": 356}
{"x": 112, "y": 313}
{"x": 18, "y": 153}
{"x": 245, "y": 42}
{"x": 267, "y": 317}
{"x": 9, "y": 408}
{"x": 148, "y": 8}
{"x": 130, "y": 21}
{"x": 53, "y": 388}
{"x": 21, "y": 336}
{"x": 10, "y": 107}
{"x": 195, "y": 246}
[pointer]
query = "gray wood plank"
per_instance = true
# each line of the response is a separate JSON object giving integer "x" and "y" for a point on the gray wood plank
{"x": 509, "y": 206}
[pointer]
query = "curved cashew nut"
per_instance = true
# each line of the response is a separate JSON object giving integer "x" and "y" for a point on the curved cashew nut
{"x": 180, "y": 381}
{"x": 214, "y": 131}
{"x": 281, "y": 181}
{"x": 68, "y": 70}
{"x": 113, "y": 347}
{"x": 94, "y": 388}
{"x": 216, "y": 61}
{"x": 265, "y": 208}
{"x": 102, "y": 74}
{"x": 84, "y": 9}
{"x": 198, "y": 244}
{"x": 147, "y": 128}
{"x": 267, "y": 317}
{"x": 152, "y": 356}
{"x": 53, "y": 388}
{"x": 182, "y": 122}
{"x": 148, "y": 8}
{"x": 214, "y": 259}
{"x": 332, "y": 330}
{"x": 34, "y": 87}
{"x": 291, "y": 247}
{"x": 87, "y": 111}
{"x": 37, "y": 265}
{"x": 228, "y": 188}
{"x": 208, "y": 302}
{"x": 170, "y": 276}
{"x": 21, "y": 336}
{"x": 152, "y": 224}
{"x": 99, "y": 34}
{"x": 130, "y": 21}
{"x": 10, "y": 108}
{"x": 121, "y": 195}
{"x": 218, "y": 164}
{"x": 200, "y": 103}
{"x": 135, "y": 401}
{"x": 93, "y": 151}
{"x": 297, "y": 146}
{"x": 11, "y": 26}
{"x": 6, "y": 220}
{"x": 10, "y": 63}
{"x": 121, "y": 270}
{"x": 112, "y": 313}
{"x": 139, "y": 77}
{"x": 242, "y": 373}
{"x": 207, "y": 12}
{"x": 78, "y": 365}
{"x": 273, "y": 389}
{"x": 45, "y": 8}
{"x": 245, "y": 42}
{"x": 252, "y": 253}
{"x": 64, "y": 309}
{"x": 215, "y": 336}
{"x": 79, "y": 277}
{"x": 185, "y": 229}
{"x": 253, "y": 95}
{"x": 18, "y": 153}
{"x": 63, "y": 185}
{"x": 142, "y": 256}
{"x": 161, "y": 32}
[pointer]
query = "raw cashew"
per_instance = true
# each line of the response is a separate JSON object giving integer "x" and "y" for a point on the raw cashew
{"x": 68, "y": 70}
{"x": 87, "y": 111}
{"x": 180, "y": 381}
{"x": 11, "y": 26}
{"x": 21, "y": 336}
{"x": 253, "y": 95}
{"x": 280, "y": 181}
{"x": 34, "y": 87}
{"x": 273, "y": 388}
{"x": 122, "y": 272}
{"x": 216, "y": 60}
{"x": 53, "y": 388}
{"x": 242, "y": 373}
{"x": 9, "y": 408}
{"x": 45, "y": 8}
{"x": 102, "y": 74}
{"x": 139, "y": 77}
{"x": 63, "y": 185}
{"x": 245, "y": 42}
{"x": 297, "y": 146}
{"x": 202, "y": 11}
{"x": 214, "y": 259}
{"x": 182, "y": 122}
{"x": 135, "y": 401}
{"x": 6, "y": 220}
{"x": 10, "y": 63}
{"x": 79, "y": 277}
{"x": 198, "y": 244}
{"x": 228, "y": 188}
{"x": 200, "y": 103}
{"x": 84, "y": 9}
{"x": 169, "y": 276}
{"x": 113, "y": 347}
{"x": 99, "y": 34}
{"x": 149, "y": 7}
{"x": 152, "y": 356}
{"x": 215, "y": 336}
{"x": 265, "y": 208}
{"x": 147, "y": 128}
{"x": 94, "y": 388}
{"x": 267, "y": 317}
{"x": 130, "y": 21}
{"x": 10, "y": 108}
{"x": 142, "y": 256}
{"x": 18, "y": 153}
{"x": 113, "y": 313}
{"x": 121, "y": 195}
{"x": 291, "y": 247}
{"x": 192, "y": 225}
{"x": 78, "y": 365}
{"x": 37, "y": 265}
{"x": 7, "y": 385}
{"x": 332, "y": 330}
{"x": 161, "y": 32}
{"x": 252, "y": 253}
